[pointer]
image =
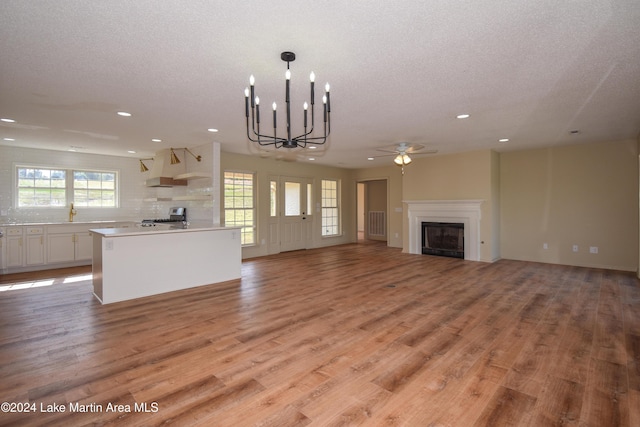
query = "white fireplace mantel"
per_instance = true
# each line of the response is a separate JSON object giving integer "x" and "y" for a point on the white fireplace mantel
{"x": 467, "y": 212}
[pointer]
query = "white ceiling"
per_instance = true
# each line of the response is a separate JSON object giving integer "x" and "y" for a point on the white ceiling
{"x": 530, "y": 71}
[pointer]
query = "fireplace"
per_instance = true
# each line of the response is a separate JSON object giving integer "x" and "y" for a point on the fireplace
{"x": 466, "y": 212}
{"x": 443, "y": 239}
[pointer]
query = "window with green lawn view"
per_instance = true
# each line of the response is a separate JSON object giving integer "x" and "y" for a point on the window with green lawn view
{"x": 239, "y": 204}
{"x": 58, "y": 187}
{"x": 330, "y": 208}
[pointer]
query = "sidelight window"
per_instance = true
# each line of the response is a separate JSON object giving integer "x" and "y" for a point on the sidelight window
{"x": 330, "y": 208}
{"x": 239, "y": 204}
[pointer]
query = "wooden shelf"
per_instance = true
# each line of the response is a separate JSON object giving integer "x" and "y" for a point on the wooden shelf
{"x": 158, "y": 199}
{"x": 192, "y": 175}
{"x": 194, "y": 197}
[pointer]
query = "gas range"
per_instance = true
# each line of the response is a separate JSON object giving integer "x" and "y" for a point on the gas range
{"x": 176, "y": 215}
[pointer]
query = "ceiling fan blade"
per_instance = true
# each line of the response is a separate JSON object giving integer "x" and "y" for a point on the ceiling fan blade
{"x": 420, "y": 153}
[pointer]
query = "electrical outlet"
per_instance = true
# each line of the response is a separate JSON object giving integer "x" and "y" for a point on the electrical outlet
{"x": 545, "y": 246}
{"x": 593, "y": 249}
{"x": 575, "y": 248}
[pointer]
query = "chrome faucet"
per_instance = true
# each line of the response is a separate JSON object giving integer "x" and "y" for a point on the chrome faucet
{"x": 72, "y": 213}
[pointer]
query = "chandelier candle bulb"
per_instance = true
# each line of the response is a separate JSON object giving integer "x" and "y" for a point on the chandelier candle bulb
{"x": 257, "y": 110}
{"x": 288, "y": 79}
{"x": 324, "y": 101}
{"x": 274, "y": 115}
{"x": 246, "y": 101}
{"x": 312, "y": 78}
{"x": 253, "y": 96}
{"x": 305, "y": 106}
{"x": 326, "y": 88}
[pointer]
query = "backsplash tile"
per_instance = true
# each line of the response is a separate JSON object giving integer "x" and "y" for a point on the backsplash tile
{"x": 135, "y": 201}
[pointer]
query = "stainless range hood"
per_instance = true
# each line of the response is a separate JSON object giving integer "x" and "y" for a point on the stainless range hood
{"x": 162, "y": 172}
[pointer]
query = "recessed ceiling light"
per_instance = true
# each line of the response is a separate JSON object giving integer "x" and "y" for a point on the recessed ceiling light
{"x": 212, "y": 130}
{"x": 124, "y": 114}
{"x": 369, "y": 158}
{"x": 71, "y": 149}
{"x": 312, "y": 158}
{"x": 131, "y": 152}
{"x": 462, "y": 116}
{"x": 7, "y": 120}
{"x": 312, "y": 147}
{"x": 503, "y": 140}
{"x": 156, "y": 140}
{"x": 8, "y": 139}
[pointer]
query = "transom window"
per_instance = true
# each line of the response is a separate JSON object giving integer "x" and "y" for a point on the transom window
{"x": 53, "y": 187}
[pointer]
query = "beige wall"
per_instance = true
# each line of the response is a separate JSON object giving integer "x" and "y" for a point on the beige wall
{"x": 585, "y": 195}
{"x": 392, "y": 175}
{"x": 266, "y": 168}
{"x": 470, "y": 175}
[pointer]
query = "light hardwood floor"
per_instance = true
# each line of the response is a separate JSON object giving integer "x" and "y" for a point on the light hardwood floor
{"x": 357, "y": 334}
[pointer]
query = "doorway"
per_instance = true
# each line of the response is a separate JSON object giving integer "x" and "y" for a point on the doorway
{"x": 372, "y": 210}
{"x": 291, "y": 216}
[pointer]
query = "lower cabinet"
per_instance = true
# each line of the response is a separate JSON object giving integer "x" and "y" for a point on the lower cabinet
{"x": 68, "y": 247}
{"x": 84, "y": 246}
{"x": 34, "y": 238}
{"x": 14, "y": 247}
{"x": 37, "y": 247}
{"x": 61, "y": 247}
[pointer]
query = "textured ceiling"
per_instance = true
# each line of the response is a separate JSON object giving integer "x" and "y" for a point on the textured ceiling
{"x": 400, "y": 71}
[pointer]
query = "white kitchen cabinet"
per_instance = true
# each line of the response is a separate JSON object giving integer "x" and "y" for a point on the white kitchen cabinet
{"x": 84, "y": 246}
{"x": 61, "y": 247}
{"x": 34, "y": 238}
{"x": 14, "y": 247}
{"x": 69, "y": 243}
{"x": 42, "y": 246}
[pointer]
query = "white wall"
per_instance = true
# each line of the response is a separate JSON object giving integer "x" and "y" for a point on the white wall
{"x": 135, "y": 201}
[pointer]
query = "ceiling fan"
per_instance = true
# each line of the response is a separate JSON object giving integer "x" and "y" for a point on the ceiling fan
{"x": 402, "y": 150}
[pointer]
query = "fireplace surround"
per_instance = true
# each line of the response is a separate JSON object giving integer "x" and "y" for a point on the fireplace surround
{"x": 466, "y": 212}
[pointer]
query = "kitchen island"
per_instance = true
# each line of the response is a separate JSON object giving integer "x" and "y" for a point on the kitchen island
{"x": 133, "y": 263}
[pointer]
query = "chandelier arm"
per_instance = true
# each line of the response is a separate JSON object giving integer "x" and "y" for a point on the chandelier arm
{"x": 257, "y": 133}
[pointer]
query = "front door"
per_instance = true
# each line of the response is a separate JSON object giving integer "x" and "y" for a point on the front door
{"x": 295, "y": 219}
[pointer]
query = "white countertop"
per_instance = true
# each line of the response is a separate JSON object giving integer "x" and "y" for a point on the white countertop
{"x": 159, "y": 229}
{"x": 9, "y": 224}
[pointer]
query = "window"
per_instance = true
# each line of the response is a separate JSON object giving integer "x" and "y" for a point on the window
{"x": 48, "y": 187}
{"x": 94, "y": 189}
{"x": 273, "y": 195}
{"x": 309, "y": 199}
{"x": 330, "y": 208}
{"x": 239, "y": 204}
{"x": 292, "y": 199}
{"x": 41, "y": 187}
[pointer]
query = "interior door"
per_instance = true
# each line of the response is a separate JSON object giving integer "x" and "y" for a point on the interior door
{"x": 295, "y": 220}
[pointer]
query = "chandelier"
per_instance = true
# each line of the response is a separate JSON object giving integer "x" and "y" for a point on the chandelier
{"x": 253, "y": 132}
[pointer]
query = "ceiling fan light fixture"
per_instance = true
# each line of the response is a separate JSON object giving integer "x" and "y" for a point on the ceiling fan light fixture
{"x": 402, "y": 159}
